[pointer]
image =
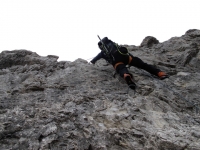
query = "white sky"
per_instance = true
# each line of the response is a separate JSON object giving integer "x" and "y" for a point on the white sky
{"x": 69, "y": 28}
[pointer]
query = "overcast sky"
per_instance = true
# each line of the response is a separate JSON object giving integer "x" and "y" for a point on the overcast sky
{"x": 69, "y": 28}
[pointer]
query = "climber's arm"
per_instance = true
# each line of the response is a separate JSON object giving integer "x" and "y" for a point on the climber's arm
{"x": 99, "y": 56}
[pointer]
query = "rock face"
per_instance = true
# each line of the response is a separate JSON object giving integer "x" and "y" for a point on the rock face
{"x": 46, "y": 104}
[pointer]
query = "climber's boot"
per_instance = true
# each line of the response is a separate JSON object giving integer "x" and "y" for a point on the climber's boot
{"x": 129, "y": 81}
{"x": 162, "y": 75}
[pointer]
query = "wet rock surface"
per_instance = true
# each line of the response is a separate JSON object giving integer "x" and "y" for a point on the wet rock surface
{"x": 46, "y": 104}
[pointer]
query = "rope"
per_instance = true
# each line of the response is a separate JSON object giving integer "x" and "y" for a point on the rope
{"x": 120, "y": 51}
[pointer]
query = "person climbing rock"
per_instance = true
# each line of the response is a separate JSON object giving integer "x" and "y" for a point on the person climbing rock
{"x": 119, "y": 57}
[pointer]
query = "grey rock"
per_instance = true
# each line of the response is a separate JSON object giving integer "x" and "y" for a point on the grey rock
{"x": 46, "y": 104}
{"x": 149, "y": 41}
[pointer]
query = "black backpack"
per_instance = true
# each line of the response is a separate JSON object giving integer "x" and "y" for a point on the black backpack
{"x": 110, "y": 49}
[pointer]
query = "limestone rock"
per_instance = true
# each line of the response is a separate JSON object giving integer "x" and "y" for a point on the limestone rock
{"x": 149, "y": 41}
{"x": 46, "y": 104}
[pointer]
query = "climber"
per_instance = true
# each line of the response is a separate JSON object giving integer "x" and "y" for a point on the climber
{"x": 119, "y": 57}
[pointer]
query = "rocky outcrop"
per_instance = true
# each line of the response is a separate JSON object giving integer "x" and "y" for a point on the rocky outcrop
{"x": 46, "y": 104}
{"x": 149, "y": 41}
